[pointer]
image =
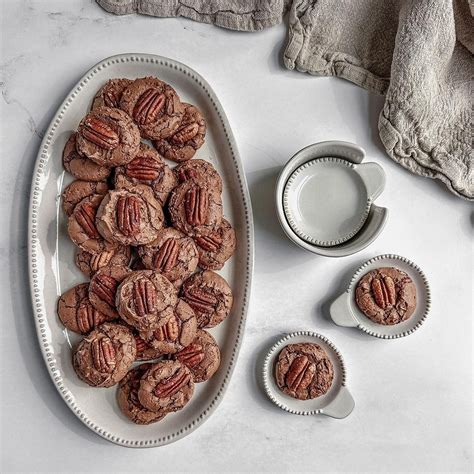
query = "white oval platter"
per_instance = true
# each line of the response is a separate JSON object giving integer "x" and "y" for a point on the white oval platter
{"x": 51, "y": 253}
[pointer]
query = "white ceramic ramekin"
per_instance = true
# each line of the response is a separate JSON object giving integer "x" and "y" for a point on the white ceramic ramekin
{"x": 294, "y": 202}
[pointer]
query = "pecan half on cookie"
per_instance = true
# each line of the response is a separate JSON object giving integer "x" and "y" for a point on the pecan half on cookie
{"x": 76, "y": 311}
{"x": 176, "y": 333}
{"x": 108, "y": 137}
{"x": 79, "y": 165}
{"x": 110, "y": 93}
{"x": 146, "y": 299}
{"x": 304, "y": 371}
{"x": 90, "y": 263}
{"x": 147, "y": 168}
{"x": 188, "y": 137}
{"x": 200, "y": 172}
{"x": 215, "y": 246}
{"x": 172, "y": 253}
{"x": 103, "y": 357}
{"x": 78, "y": 190}
{"x": 168, "y": 385}
{"x": 144, "y": 350}
{"x": 202, "y": 356}
{"x": 82, "y": 226}
{"x": 127, "y": 398}
{"x": 210, "y": 297}
{"x": 130, "y": 216}
{"x": 386, "y": 296}
{"x": 154, "y": 106}
{"x": 194, "y": 209}
{"x": 103, "y": 288}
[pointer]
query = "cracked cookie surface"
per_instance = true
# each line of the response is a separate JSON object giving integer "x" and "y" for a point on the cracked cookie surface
{"x": 104, "y": 356}
{"x": 386, "y": 295}
{"x": 304, "y": 371}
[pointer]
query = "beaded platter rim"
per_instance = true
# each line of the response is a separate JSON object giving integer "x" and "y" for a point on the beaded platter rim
{"x": 36, "y": 191}
{"x": 416, "y": 268}
{"x": 268, "y": 371}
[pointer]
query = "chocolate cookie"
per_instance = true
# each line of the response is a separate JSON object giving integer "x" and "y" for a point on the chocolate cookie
{"x": 172, "y": 253}
{"x": 82, "y": 226}
{"x": 195, "y": 209}
{"x": 108, "y": 137}
{"x": 130, "y": 216}
{"x": 168, "y": 385}
{"x": 127, "y": 398}
{"x": 147, "y": 168}
{"x": 215, "y": 247}
{"x": 79, "y": 165}
{"x": 202, "y": 356}
{"x": 90, "y": 263}
{"x": 104, "y": 356}
{"x": 304, "y": 371}
{"x": 189, "y": 136}
{"x": 176, "y": 333}
{"x": 103, "y": 288}
{"x": 154, "y": 106}
{"x": 110, "y": 93}
{"x": 144, "y": 350}
{"x": 146, "y": 299}
{"x": 386, "y": 296}
{"x": 78, "y": 190}
{"x": 76, "y": 311}
{"x": 210, "y": 297}
{"x": 201, "y": 172}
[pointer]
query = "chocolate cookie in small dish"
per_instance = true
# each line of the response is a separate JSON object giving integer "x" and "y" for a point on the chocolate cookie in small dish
{"x": 166, "y": 386}
{"x": 194, "y": 209}
{"x": 154, "y": 106}
{"x": 76, "y": 311}
{"x": 172, "y": 253}
{"x": 215, "y": 246}
{"x": 147, "y": 168}
{"x": 130, "y": 216}
{"x": 304, "y": 371}
{"x": 146, "y": 299}
{"x": 82, "y": 226}
{"x": 386, "y": 295}
{"x": 202, "y": 356}
{"x": 78, "y": 190}
{"x": 103, "y": 288}
{"x": 189, "y": 136}
{"x": 110, "y": 93}
{"x": 127, "y": 398}
{"x": 103, "y": 357}
{"x": 210, "y": 297}
{"x": 108, "y": 137}
{"x": 90, "y": 263}
{"x": 79, "y": 165}
{"x": 200, "y": 172}
{"x": 176, "y": 333}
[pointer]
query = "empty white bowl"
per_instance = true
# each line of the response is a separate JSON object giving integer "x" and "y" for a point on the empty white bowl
{"x": 324, "y": 199}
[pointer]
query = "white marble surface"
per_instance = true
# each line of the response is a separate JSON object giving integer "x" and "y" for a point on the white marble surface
{"x": 413, "y": 396}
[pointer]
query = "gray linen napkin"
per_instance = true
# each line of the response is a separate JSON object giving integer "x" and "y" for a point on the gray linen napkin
{"x": 418, "y": 53}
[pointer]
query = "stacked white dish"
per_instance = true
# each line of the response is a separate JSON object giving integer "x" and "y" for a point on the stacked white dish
{"x": 325, "y": 199}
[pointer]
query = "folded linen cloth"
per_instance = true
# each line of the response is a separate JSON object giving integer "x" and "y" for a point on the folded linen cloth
{"x": 418, "y": 53}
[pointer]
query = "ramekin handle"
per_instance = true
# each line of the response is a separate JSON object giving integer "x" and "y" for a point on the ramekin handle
{"x": 341, "y": 406}
{"x": 373, "y": 176}
{"x": 341, "y": 311}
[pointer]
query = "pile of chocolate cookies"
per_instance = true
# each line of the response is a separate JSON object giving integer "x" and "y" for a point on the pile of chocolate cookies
{"x": 149, "y": 238}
